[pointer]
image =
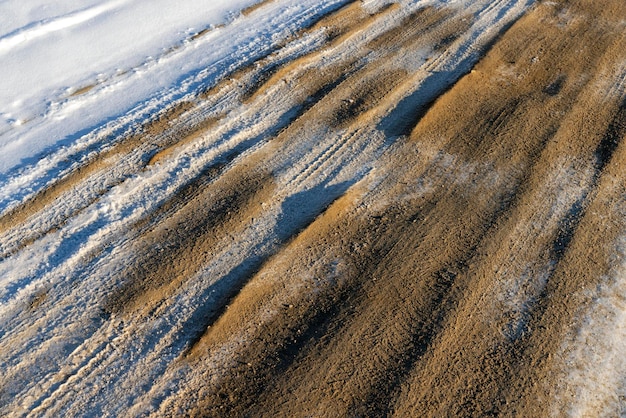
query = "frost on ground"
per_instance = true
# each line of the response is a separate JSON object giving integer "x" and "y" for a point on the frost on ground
{"x": 312, "y": 208}
{"x": 596, "y": 384}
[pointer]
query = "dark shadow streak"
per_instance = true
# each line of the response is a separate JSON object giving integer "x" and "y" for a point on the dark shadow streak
{"x": 299, "y": 211}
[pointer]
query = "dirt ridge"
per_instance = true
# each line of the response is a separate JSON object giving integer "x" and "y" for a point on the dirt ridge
{"x": 416, "y": 216}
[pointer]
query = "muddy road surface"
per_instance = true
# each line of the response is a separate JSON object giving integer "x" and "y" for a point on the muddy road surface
{"x": 405, "y": 209}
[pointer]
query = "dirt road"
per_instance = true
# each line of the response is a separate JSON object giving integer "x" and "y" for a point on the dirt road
{"x": 407, "y": 209}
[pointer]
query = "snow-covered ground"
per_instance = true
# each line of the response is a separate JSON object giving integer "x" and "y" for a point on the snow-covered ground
{"x": 77, "y": 76}
{"x": 69, "y": 66}
{"x": 74, "y": 74}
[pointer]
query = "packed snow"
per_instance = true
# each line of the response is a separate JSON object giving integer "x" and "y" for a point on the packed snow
{"x": 70, "y": 66}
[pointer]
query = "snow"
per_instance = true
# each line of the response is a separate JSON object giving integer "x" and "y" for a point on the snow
{"x": 117, "y": 53}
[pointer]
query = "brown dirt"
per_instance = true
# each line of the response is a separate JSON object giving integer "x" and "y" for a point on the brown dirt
{"x": 83, "y": 90}
{"x": 251, "y": 9}
{"x": 447, "y": 282}
{"x": 505, "y": 178}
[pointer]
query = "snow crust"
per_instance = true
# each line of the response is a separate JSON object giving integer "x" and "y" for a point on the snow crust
{"x": 69, "y": 66}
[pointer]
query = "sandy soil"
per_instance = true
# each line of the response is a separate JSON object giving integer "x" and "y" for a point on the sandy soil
{"x": 435, "y": 226}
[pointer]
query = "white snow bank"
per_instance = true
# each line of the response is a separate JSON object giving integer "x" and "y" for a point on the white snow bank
{"x": 68, "y": 66}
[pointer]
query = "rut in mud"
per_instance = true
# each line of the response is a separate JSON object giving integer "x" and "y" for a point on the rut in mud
{"x": 421, "y": 213}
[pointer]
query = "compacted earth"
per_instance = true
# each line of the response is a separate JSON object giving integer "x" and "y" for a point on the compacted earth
{"x": 412, "y": 208}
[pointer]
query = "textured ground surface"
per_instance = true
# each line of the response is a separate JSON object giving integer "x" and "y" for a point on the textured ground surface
{"x": 411, "y": 209}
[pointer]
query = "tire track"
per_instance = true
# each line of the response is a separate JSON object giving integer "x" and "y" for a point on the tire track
{"x": 296, "y": 369}
{"x": 403, "y": 210}
{"x": 250, "y": 397}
